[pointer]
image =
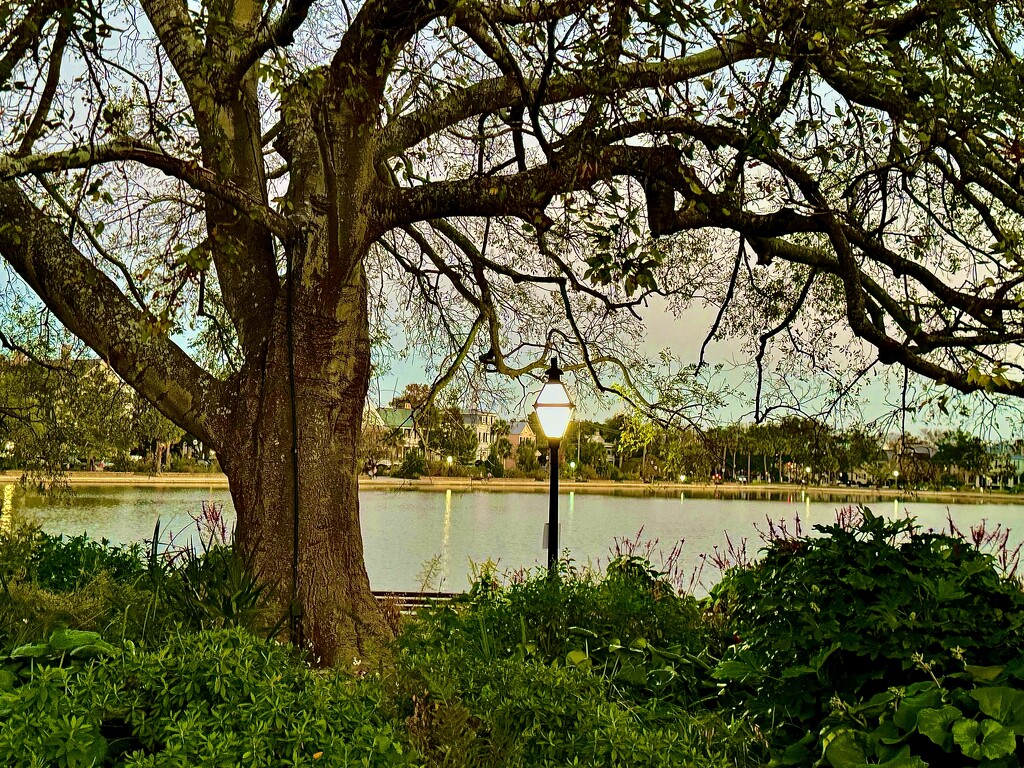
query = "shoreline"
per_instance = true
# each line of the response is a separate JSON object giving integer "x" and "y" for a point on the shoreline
{"x": 529, "y": 485}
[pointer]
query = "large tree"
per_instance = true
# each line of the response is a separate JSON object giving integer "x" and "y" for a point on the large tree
{"x": 276, "y": 169}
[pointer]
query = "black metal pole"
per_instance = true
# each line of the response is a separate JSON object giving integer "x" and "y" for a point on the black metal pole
{"x": 553, "y": 511}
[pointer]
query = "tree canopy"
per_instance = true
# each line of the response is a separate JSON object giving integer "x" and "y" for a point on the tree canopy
{"x": 506, "y": 178}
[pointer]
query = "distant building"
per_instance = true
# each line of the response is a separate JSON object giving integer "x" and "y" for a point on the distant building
{"x": 399, "y": 421}
{"x": 482, "y": 422}
{"x": 519, "y": 432}
{"x": 610, "y": 453}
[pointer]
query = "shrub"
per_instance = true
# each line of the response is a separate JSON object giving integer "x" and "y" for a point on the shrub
{"x": 570, "y": 671}
{"x": 28, "y": 612}
{"x": 845, "y": 614}
{"x": 216, "y": 589}
{"x": 414, "y": 465}
{"x": 973, "y": 717}
{"x": 194, "y": 465}
{"x": 214, "y": 698}
{"x": 630, "y": 628}
{"x": 64, "y": 564}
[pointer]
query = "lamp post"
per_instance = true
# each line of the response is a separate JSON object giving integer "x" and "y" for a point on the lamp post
{"x": 554, "y": 411}
{"x": 449, "y": 460}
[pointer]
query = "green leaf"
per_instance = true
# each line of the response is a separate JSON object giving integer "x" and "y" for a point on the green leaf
{"x": 984, "y": 674}
{"x": 937, "y": 725}
{"x": 734, "y": 670}
{"x": 577, "y": 659}
{"x": 908, "y": 710}
{"x": 31, "y": 651}
{"x": 843, "y": 750}
{"x": 987, "y": 739}
{"x": 62, "y": 640}
{"x": 1004, "y": 704}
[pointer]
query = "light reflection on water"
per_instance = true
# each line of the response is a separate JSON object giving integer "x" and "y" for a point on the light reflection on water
{"x": 404, "y": 529}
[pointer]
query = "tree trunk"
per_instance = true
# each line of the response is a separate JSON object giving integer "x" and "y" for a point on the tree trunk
{"x": 331, "y": 372}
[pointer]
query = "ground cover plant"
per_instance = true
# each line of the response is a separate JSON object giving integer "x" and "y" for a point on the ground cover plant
{"x": 871, "y": 642}
{"x": 823, "y": 624}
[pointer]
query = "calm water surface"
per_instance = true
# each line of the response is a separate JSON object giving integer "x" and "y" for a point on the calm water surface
{"x": 403, "y": 529}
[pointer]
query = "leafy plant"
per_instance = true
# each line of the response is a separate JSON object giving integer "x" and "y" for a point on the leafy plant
{"x": 974, "y": 717}
{"x": 844, "y": 613}
{"x": 212, "y": 698}
{"x": 213, "y": 586}
{"x": 63, "y": 645}
{"x": 578, "y": 669}
{"x": 64, "y": 564}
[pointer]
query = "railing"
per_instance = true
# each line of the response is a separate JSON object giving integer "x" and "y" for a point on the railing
{"x": 407, "y": 603}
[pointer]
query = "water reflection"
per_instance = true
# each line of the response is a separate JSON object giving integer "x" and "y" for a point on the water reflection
{"x": 402, "y": 529}
{"x": 446, "y": 535}
{"x": 7, "y": 510}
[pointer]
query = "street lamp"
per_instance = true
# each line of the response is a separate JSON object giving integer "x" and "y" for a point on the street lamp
{"x": 896, "y": 477}
{"x": 572, "y": 466}
{"x": 449, "y": 460}
{"x": 554, "y": 411}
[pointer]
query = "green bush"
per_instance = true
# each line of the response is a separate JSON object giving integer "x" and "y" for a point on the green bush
{"x": 414, "y": 465}
{"x": 973, "y": 717}
{"x": 846, "y": 613}
{"x": 578, "y": 670}
{"x": 211, "y": 699}
{"x": 64, "y": 564}
{"x": 193, "y": 465}
{"x": 215, "y": 589}
{"x": 29, "y": 612}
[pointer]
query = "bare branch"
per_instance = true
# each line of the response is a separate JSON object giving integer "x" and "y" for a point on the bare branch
{"x": 503, "y": 92}
{"x": 189, "y": 171}
{"x": 92, "y": 307}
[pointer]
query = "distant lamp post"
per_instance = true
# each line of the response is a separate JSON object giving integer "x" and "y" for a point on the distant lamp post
{"x": 554, "y": 411}
{"x": 449, "y": 461}
{"x": 896, "y": 477}
{"x": 807, "y": 474}
{"x": 572, "y": 466}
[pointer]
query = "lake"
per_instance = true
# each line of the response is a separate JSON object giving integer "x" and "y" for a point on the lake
{"x": 405, "y": 529}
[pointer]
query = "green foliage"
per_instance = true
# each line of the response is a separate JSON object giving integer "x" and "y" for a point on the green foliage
{"x": 819, "y": 650}
{"x": 972, "y": 717}
{"x": 215, "y": 698}
{"x": 574, "y": 670}
{"x": 64, "y": 564}
{"x": 49, "y": 582}
{"x": 68, "y": 408}
{"x": 28, "y": 612}
{"x": 845, "y": 613}
{"x": 414, "y": 465}
{"x": 63, "y": 645}
{"x": 526, "y": 456}
{"x": 216, "y": 589}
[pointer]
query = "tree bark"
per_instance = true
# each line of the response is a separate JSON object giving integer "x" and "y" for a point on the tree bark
{"x": 330, "y": 358}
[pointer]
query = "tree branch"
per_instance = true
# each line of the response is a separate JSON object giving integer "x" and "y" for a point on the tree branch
{"x": 189, "y": 171}
{"x": 503, "y": 92}
{"x": 90, "y": 305}
{"x": 174, "y": 27}
{"x": 276, "y": 34}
